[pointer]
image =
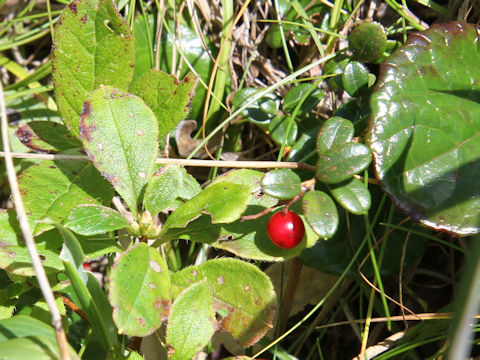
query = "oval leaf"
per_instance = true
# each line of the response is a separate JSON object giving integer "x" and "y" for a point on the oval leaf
{"x": 321, "y": 213}
{"x": 52, "y": 189}
{"x": 119, "y": 133}
{"x": 342, "y": 162}
{"x": 14, "y": 255}
{"x": 303, "y": 93}
{"x": 162, "y": 190}
{"x": 94, "y": 219}
{"x": 368, "y": 41}
{"x": 93, "y": 45}
{"x": 190, "y": 324}
{"x": 282, "y": 184}
{"x": 425, "y": 124}
{"x": 139, "y": 291}
{"x": 355, "y": 78}
{"x": 167, "y": 97}
{"x": 334, "y": 131}
{"x": 352, "y": 195}
{"x": 283, "y": 129}
{"x": 224, "y": 202}
{"x": 243, "y": 296}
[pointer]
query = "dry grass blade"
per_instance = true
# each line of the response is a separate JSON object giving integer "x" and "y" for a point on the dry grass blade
{"x": 28, "y": 237}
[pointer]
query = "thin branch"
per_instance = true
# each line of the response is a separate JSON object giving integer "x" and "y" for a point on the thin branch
{"x": 182, "y": 162}
{"x": 28, "y": 237}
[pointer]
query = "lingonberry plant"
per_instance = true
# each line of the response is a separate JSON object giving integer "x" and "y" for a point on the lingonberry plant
{"x": 114, "y": 200}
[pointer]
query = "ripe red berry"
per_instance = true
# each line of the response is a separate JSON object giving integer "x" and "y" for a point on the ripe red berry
{"x": 285, "y": 229}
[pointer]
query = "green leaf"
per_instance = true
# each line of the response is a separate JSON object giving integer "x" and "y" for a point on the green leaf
{"x": 119, "y": 352}
{"x": 26, "y": 327}
{"x": 425, "y": 124}
{"x": 334, "y": 131}
{"x": 166, "y": 96}
{"x": 261, "y": 112}
{"x": 52, "y": 189}
{"x": 92, "y": 299}
{"x": 297, "y": 93}
{"x": 163, "y": 188}
{"x": 355, "y": 78}
{"x": 321, "y": 213}
{"x": 341, "y": 162}
{"x": 242, "y": 295}
{"x": 46, "y": 136}
{"x": 140, "y": 291}
{"x": 352, "y": 195}
{"x": 252, "y": 179}
{"x": 282, "y": 129}
{"x": 14, "y": 255}
{"x": 144, "y": 33}
{"x": 368, "y": 41}
{"x": 282, "y": 183}
{"x": 119, "y": 133}
{"x": 224, "y": 202}
{"x": 335, "y": 67}
{"x": 190, "y": 324}
{"x": 93, "y": 45}
{"x": 304, "y": 148}
{"x": 33, "y": 347}
{"x": 89, "y": 219}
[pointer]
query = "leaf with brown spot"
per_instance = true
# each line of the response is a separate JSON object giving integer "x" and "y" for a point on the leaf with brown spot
{"x": 244, "y": 300}
{"x": 167, "y": 97}
{"x": 140, "y": 307}
{"x": 109, "y": 132}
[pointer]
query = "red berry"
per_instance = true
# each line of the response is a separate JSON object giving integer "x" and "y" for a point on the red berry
{"x": 285, "y": 229}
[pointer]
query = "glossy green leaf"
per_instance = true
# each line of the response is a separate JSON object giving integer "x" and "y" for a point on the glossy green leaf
{"x": 92, "y": 299}
{"x": 334, "y": 131}
{"x": 321, "y": 213}
{"x": 52, "y": 189}
{"x": 352, "y": 195}
{"x": 166, "y": 96}
{"x": 355, "y": 78}
{"x": 282, "y": 129}
{"x": 224, "y": 202}
{"x": 261, "y": 112}
{"x": 163, "y": 188}
{"x": 90, "y": 219}
{"x": 304, "y": 147}
{"x": 299, "y": 92}
{"x": 424, "y": 127}
{"x": 93, "y": 45}
{"x": 119, "y": 133}
{"x": 190, "y": 324}
{"x": 274, "y": 37}
{"x": 368, "y": 41}
{"x": 335, "y": 68}
{"x": 282, "y": 183}
{"x": 140, "y": 291}
{"x": 14, "y": 255}
{"x": 47, "y": 136}
{"x": 243, "y": 296}
{"x": 342, "y": 162}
